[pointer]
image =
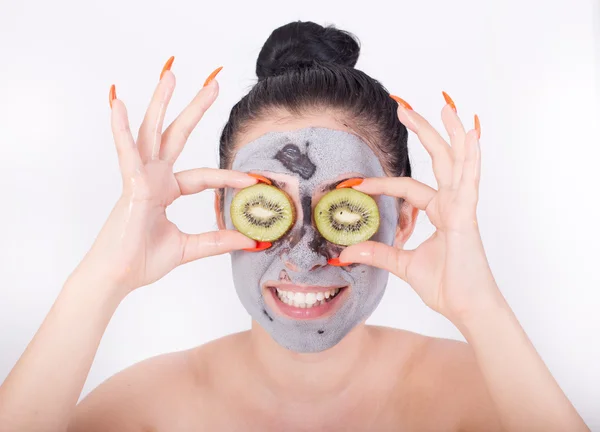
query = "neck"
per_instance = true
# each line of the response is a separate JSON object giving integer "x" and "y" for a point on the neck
{"x": 310, "y": 376}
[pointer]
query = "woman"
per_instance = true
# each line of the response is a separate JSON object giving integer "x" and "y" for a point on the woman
{"x": 312, "y": 125}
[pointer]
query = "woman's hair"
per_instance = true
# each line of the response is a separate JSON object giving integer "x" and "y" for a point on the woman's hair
{"x": 303, "y": 67}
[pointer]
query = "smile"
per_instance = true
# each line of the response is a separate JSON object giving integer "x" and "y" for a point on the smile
{"x": 307, "y": 300}
{"x": 304, "y": 302}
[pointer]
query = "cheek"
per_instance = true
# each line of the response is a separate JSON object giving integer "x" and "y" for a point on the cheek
{"x": 249, "y": 268}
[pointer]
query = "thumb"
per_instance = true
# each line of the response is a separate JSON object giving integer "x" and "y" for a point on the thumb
{"x": 378, "y": 255}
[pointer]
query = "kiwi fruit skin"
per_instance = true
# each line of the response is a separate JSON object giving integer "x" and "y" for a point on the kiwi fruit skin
{"x": 355, "y": 205}
{"x": 261, "y": 192}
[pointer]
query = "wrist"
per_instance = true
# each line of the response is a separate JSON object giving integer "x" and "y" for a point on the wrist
{"x": 484, "y": 297}
{"x": 87, "y": 278}
{"x": 489, "y": 303}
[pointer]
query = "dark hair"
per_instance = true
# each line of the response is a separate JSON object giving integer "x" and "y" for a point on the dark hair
{"x": 304, "y": 66}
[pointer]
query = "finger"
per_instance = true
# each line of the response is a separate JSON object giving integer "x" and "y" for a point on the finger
{"x": 378, "y": 255}
{"x": 198, "y": 246}
{"x": 149, "y": 136}
{"x": 129, "y": 157}
{"x": 178, "y": 132}
{"x": 198, "y": 179}
{"x": 468, "y": 190}
{"x": 436, "y": 146}
{"x": 456, "y": 133}
{"x": 414, "y": 192}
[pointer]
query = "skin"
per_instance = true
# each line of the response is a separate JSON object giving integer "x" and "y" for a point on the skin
{"x": 374, "y": 379}
{"x": 308, "y": 162}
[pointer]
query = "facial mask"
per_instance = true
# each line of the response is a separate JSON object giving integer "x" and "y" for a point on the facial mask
{"x": 316, "y": 157}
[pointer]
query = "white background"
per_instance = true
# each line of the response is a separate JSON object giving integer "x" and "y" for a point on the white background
{"x": 529, "y": 69}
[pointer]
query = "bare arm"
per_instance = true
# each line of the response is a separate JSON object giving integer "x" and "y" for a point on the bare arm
{"x": 450, "y": 272}
{"x": 42, "y": 389}
{"x": 523, "y": 390}
{"x": 136, "y": 246}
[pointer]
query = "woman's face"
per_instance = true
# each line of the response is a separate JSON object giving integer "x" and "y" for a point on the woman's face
{"x": 306, "y": 158}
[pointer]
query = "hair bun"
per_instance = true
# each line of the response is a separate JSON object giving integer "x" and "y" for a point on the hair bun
{"x": 299, "y": 44}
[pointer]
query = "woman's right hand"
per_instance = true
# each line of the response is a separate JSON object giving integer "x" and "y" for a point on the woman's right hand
{"x": 138, "y": 244}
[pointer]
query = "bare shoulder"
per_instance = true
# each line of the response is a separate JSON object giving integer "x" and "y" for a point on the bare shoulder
{"x": 441, "y": 376}
{"x": 150, "y": 393}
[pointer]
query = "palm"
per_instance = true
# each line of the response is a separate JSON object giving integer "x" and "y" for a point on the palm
{"x": 153, "y": 244}
{"x": 439, "y": 269}
{"x": 429, "y": 269}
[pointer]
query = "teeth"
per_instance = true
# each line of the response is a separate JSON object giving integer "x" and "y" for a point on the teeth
{"x": 306, "y": 300}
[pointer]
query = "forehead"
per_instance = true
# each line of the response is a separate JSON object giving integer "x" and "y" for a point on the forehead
{"x": 315, "y": 155}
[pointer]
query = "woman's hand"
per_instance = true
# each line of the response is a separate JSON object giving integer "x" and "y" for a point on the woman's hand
{"x": 451, "y": 274}
{"x": 449, "y": 270}
{"x": 138, "y": 244}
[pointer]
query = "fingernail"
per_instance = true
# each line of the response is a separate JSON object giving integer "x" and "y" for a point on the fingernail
{"x": 260, "y": 246}
{"x": 401, "y": 102}
{"x": 449, "y": 101}
{"x": 167, "y": 66}
{"x": 212, "y": 76}
{"x": 477, "y": 127}
{"x": 260, "y": 178}
{"x": 336, "y": 262}
{"x": 349, "y": 183}
{"x": 112, "y": 95}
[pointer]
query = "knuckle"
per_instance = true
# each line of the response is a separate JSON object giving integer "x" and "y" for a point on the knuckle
{"x": 200, "y": 178}
{"x": 123, "y": 128}
{"x": 216, "y": 240}
{"x": 372, "y": 253}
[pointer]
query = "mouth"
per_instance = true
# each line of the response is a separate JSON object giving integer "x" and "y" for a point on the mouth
{"x": 302, "y": 301}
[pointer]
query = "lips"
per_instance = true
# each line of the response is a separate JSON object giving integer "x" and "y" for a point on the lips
{"x": 302, "y": 301}
{"x": 305, "y": 300}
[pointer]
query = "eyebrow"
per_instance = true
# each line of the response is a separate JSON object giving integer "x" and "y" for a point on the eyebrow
{"x": 329, "y": 187}
{"x": 332, "y": 186}
{"x": 278, "y": 183}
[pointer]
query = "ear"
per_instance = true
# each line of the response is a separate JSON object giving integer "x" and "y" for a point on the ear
{"x": 406, "y": 224}
{"x": 218, "y": 211}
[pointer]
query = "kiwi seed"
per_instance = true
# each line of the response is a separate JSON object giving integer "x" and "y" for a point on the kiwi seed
{"x": 346, "y": 216}
{"x": 262, "y": 212}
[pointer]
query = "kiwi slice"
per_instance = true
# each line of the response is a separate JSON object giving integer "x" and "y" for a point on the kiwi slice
{"x": 346, "y": 216}
{"x": 262, "y": 212}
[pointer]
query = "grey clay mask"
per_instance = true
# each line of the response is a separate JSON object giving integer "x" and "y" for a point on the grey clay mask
{"x": 316, "y": 157}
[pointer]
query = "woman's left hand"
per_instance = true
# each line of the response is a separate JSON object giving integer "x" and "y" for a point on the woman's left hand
{"x": 449, "y": 270}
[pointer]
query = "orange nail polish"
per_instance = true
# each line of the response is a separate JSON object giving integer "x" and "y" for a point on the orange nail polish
{"x": 260, "y": 178}
{"x": 449, "y": 101}
{"x": 112, "y": 95}
{"x": 401, "y": 102}
{"x": 477, "y": 127}
{"x": 167, "y": 66}
{"x": 349, "y": 183}
{"x": 260, "y": 246}
{"x": 336, "y": 262}
{"x": 212, "y": 76}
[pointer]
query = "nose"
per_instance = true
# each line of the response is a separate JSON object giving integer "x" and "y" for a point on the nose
{"x": 304, "y": 255}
